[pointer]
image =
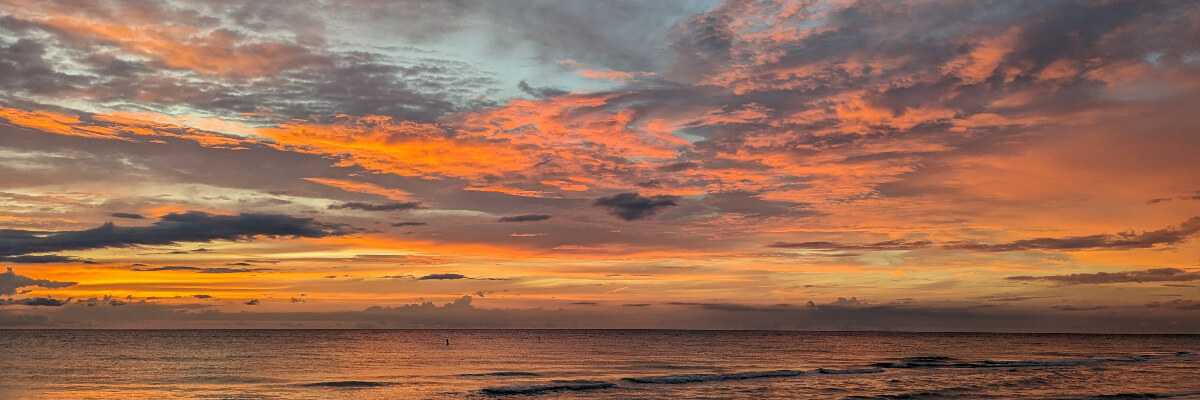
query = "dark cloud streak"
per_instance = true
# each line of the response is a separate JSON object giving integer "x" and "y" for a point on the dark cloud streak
{"x": 170, "y": 229}
{"x": 633, "y": 206}
{"x": 524, "y": 218}
{"x": 360, "y": 206}
{"x": 1149, "y": 275}
{"x": 10, "y": 282}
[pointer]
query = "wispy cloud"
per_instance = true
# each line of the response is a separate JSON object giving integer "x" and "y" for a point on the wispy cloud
{"x": 1149, "y": 275}
{"x": 354, "y": 205}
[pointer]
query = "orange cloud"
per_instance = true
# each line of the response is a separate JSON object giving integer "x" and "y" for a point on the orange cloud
{"x": 362, "y": 187}
{"x": 116, "y": 126}
{"x": 213, "y": 52}
{"x": 403, "y": 148}
{"x": 53, "y": 122}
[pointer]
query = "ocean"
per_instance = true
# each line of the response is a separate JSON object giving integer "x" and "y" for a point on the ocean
{"x": 591, "y": 364}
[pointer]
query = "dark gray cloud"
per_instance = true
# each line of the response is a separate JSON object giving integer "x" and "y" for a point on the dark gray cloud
{"x": 1193, "y": 196}
{"x": 202, "y": 270}
{"x": 1068, "y": 307}
{"x": 10, "y": 282}
{"x": 127, "y": 215}
{"x": 37, "y": 302}
{"x": 409, "y": 223}
{"x": 1149, "y": 275}
{"x": 39, "y": 259}
{"x": 633, "y": 206}
{"x": 540, "y": 92}
{"x": 524, "y": 218}
{"x": 1006, "y": 299}
{"x": 24, "y": 68}
{"x": 734, "y": 307}
{"x": 1126, "y": 240}
{"x": 172, "y": 228}
{"x": 679, "y": 166}
{"x": 898, "y": 244}
{"x": 355, "y": 205}
{"x": 1177, "y": 304}
{"x": 442, "y": 277}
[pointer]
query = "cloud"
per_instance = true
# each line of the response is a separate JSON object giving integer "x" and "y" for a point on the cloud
{"x": 1193, "y": 196}
{"x": 354, "y": 205}
{"x": 126, "y": 215}
{"x": 524, "y": 218}
{"x": 898, "y": 244}
{"x": 1126, "y": 240}
{"x": 1178, "y": 304}
{"x": 734, "y": 307}
{"x": 633, "y": 206}
{"x": 172, "y": 228}
{"x": 362, "y": 187}
{"x": 409, "y": 223}
{"x": 442, "y": 277}
{"x": 203, "y": 270}
{"x": 276, "y": 62}
{"x": 39, "y": 259}
{"x": 10, "y": 282}
{"x": 463, "y": 312}
{"x": 25, "y": 68}
{"x": 1149, "y": 275}
{"x": 37, "y": 302}
{"x": 1068, "y": 307}
{"x": 540, "y": 92}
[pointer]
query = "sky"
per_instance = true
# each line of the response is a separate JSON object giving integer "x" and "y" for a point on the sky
{"x": 766, "y": 164}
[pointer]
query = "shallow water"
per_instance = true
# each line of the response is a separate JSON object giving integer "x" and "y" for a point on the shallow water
{"x": 580, "y": 364}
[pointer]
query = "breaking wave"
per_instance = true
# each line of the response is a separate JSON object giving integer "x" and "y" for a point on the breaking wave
{"x": 691, "y": 378}
{"x": 947, "y": 362}
{"x": 539, "y": 388}
{"x": 502, "y": 373}
{"x": 346, "y": 384}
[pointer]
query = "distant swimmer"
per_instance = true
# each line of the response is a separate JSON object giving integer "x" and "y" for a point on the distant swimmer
{"x": 447, "y": 341}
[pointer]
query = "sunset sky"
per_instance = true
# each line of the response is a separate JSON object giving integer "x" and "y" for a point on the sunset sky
{"x": 961, "y": 165}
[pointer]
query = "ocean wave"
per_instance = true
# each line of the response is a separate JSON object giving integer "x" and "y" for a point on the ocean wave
{"x": 849, "y": 371}
{"x": 640, "y": 367}
{"x": 502, "y": 373}
{"x": 917, "y": 362}
{"x": 539, "y": 388}
{"x": 346, "y": 384}
{"x": 947, "y": 362}
{"x": 908, "y": 396}
{"x": 1136, "y": 395}
{"x": 692, "y": 378}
